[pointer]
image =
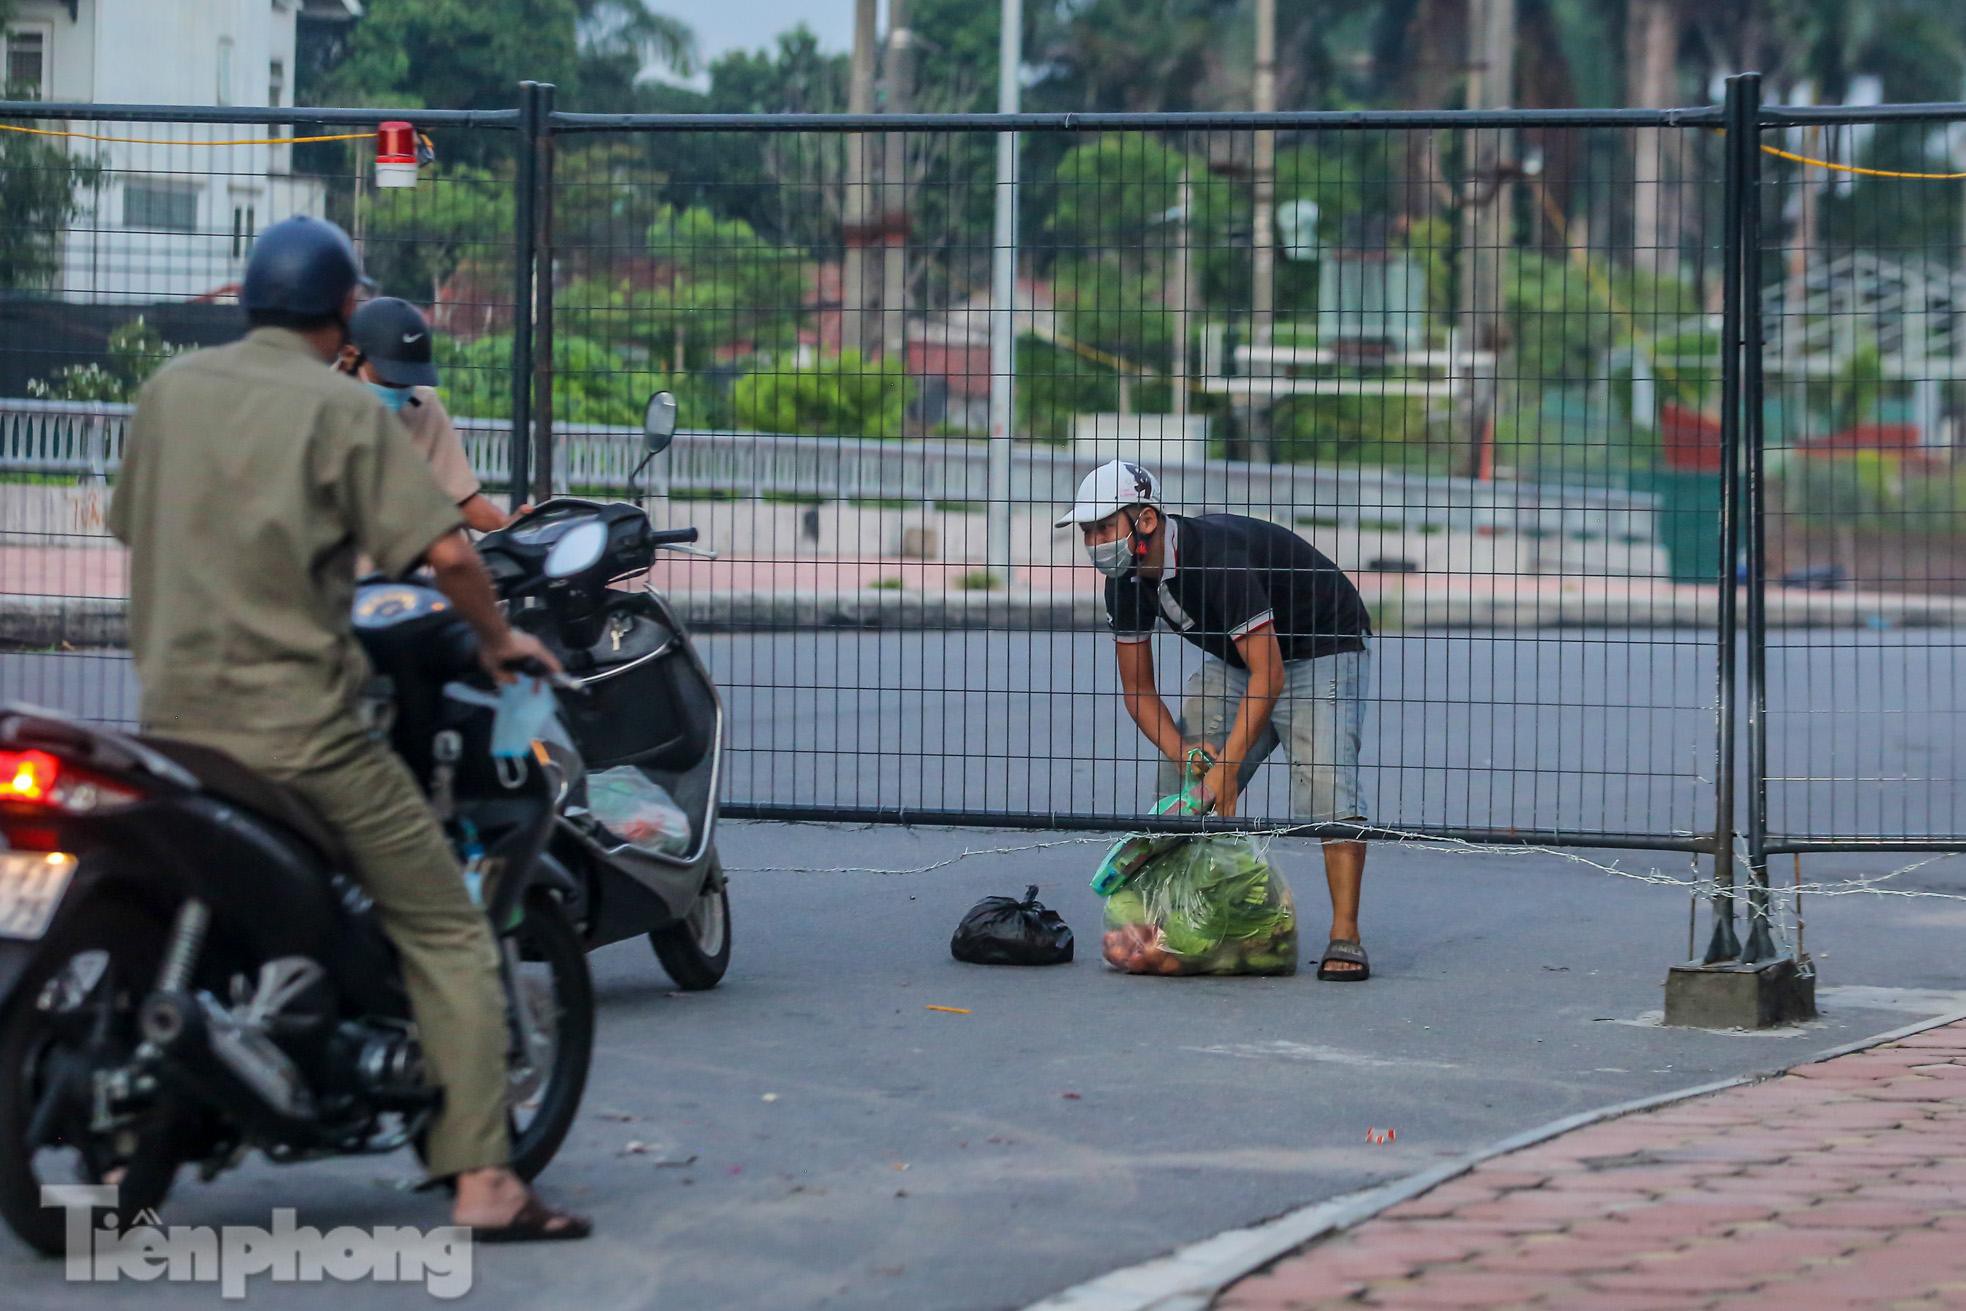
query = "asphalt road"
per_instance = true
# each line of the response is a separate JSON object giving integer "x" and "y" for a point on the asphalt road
{"x": 810, "y": 1136}
{"x": 1609, "y": 731}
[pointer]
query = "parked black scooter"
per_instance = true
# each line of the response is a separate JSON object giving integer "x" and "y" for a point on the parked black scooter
{"x": 186, "y": 972}
{"x": 648, "y": 713}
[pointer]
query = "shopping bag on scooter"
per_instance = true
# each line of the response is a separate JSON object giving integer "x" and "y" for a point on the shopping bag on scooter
{"x": 638, "y": 810}
{"x": 1006, "y": 931}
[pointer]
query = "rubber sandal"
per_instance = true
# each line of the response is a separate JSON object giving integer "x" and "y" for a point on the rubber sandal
{"x": 1349, "y": 950}
{"x": 533, "y": 1224}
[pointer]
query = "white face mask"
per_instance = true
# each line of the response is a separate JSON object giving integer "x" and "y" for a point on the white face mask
{"x": 1113, "y": 559}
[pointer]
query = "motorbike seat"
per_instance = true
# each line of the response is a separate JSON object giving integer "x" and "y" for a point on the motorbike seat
{"x": 222, "y": 776}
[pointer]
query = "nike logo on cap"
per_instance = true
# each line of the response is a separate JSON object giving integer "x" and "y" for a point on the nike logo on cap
{"x": 409, "y": 337}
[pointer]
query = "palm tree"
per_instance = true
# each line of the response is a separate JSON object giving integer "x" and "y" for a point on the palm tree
{"x": 615, "y": 25}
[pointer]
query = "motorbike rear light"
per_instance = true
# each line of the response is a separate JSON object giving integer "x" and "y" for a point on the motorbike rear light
{"x": 28, "y": 776}
{"x": 36, "y": 778}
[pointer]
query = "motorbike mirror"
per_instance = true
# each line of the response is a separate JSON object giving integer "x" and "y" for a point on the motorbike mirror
{"x": 659, "y": 422}
{"x": 577, "y": 550}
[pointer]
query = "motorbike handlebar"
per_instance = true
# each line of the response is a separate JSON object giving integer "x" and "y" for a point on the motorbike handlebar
{"x": 672, "y": 536}
{"x": 531, "y": 668}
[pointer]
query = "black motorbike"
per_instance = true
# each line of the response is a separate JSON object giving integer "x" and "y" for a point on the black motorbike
{"x": 647, "y": 717}
{"x": 187, "y": 972}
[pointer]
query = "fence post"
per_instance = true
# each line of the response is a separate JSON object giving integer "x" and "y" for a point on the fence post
{"x": 542, "y": 294}
{"x": 1724, "y": 945}
{"x": 1732, "y": 987}
{"x": 525, "y": 195}
{"x": 1760, "y": 944}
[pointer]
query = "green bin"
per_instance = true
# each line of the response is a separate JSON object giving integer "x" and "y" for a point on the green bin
{"x": 1689, "y": 521}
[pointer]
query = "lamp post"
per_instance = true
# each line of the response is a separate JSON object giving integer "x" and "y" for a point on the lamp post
{"x": 1003, "y": 286}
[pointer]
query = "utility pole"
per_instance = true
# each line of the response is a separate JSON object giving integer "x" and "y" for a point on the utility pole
{"x": 1262, "y": 230}
{"x": 1485, "y": 223}
{"x": 1003, "y": 287}
{"x": 857, "y": 202}
{"x": 1652, "y": 30}
{"x": 1184, "y": 300}
{"x": 894, "y": 191}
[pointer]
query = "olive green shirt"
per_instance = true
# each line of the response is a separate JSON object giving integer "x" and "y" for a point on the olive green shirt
{"x": 252, "y": 476}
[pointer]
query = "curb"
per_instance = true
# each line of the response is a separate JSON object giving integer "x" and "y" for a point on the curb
{"x": 86, "y": 622}
{"x": 1190, "y": 1278}
{"x": 98, "y": 622}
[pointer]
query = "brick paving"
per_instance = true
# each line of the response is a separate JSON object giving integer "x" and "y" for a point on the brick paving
{"x": 1838, "y": 1184}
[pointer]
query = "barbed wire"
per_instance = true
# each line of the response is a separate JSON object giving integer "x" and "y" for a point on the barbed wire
{"x": 1706, "y": 887}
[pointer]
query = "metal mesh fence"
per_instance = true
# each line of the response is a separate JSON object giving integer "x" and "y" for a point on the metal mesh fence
{"x": 1860, "y": 298}
{"x": 122, "y": 241}
{"x": 1475, "y": 361}
{"x": 1425, "y": 369}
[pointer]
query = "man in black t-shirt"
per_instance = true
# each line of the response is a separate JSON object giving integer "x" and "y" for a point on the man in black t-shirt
{"x": 1287, "y": 664}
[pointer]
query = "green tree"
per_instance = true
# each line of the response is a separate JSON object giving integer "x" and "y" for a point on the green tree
{"x": 1355, "y": 429}
{"x": 41, "y": 188}
{"x": 788, "y": 184}
{"x": 41, "y": 183}
{"x": 455, "y": 54}
{"x": 703, "y": 285}
{"x": 591, "y": 384}
{"x": 1131, "y": 55}
{"x": 1117, "y": 309}
{"x": 844, "y": 395}
{"x": 418, "y": 237}
{"x": 136, "y": 350}
{"x": 617, "y": 40}
{"x": 1855, "y": 489}
{"x": 731, "y": 283}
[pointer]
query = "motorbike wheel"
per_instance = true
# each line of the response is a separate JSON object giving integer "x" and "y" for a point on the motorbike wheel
{"x": 545, "y": 1091}
{"x": 696, "y": 949}
{"x": 75, "y": 1012}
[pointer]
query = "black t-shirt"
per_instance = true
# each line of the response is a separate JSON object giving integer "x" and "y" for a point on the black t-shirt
{"x": 1227, "y": 575}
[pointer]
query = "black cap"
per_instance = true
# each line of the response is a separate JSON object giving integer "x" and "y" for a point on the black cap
{"x": 395, "y": 338}
{"x": 301, "y": 266}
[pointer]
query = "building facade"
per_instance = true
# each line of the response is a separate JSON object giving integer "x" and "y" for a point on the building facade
{"x": 169, "y": 216}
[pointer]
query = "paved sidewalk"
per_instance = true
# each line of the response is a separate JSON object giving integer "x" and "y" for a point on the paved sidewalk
{"x": 1838, "y": 1184}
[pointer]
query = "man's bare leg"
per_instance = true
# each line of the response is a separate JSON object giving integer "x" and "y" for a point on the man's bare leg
{"x": 1344, "y": 871}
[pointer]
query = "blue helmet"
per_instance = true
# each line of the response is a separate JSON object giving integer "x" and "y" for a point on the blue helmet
{"x": 301, "y": 266}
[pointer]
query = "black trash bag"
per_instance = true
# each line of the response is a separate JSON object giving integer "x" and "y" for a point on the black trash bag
{"x": 1005, "y": 931}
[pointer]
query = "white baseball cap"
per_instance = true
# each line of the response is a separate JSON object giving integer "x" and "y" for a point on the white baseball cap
{"x": 1114, "y": 485}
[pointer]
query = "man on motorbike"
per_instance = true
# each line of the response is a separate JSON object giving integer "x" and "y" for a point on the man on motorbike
{"x": 391, "y": 350}
{"x": 252, "y": 477}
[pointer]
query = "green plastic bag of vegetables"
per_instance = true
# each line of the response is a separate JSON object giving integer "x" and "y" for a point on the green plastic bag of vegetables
{"x": 1203, "y": 905}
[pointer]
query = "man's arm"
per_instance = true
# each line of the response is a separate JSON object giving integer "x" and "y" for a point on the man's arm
{"x": 480, "y": 514}
{"x": 118, "y": 519}
{"x": 1259, "y": 650}
{"x": 461, "y": 576}
{"x": 1143, "y": 702}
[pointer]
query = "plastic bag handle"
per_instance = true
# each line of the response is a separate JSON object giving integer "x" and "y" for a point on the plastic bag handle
{"x": 1199, "y": 799}
{"x": 1031, "y": 894}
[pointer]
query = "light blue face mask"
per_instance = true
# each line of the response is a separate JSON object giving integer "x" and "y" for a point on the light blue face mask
{"x": 524, "y": 706}
{"x": 393, "y": 397}
{"x": 1113, "y": 559}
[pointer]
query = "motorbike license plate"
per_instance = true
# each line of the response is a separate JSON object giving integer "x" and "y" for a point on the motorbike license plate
{"x": 31, "y": 886}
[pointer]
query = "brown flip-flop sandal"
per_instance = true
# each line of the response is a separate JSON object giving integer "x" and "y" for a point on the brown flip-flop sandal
{"x": 1352, "y": 952}
{"x": 534, "y": 1224}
